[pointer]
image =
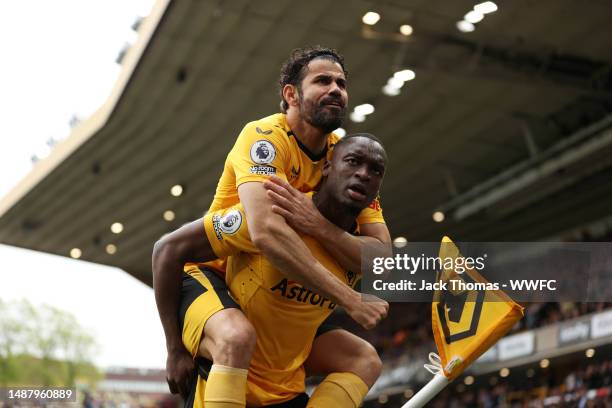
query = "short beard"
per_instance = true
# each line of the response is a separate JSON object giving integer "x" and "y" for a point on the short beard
{"x": 320, "y": 118}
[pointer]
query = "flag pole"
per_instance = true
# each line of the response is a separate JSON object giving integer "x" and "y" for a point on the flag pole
{"x": 430, "y": 390}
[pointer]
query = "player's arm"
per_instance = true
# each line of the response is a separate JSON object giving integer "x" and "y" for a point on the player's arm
{"x": 287, "y": 252}
{"x": 347, "y": 248}
{"x": 301, "y": 213}
{"x": 170, "y": 254}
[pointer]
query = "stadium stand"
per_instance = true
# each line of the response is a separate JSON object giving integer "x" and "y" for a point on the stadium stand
{"x": 529, "y": 90}
{"x": 572, "y": 379}
{"x": 405, "y": 343}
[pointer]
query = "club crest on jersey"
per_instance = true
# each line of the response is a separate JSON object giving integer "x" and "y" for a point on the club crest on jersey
{"x": 227, "y": 224}
{"x": 294, "y": 172}
{"x": 263, "y": 152}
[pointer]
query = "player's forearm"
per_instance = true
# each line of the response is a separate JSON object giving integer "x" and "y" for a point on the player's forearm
{"x": 167, "y": 280}
{"x": 297, "y": 263}
{"x": 283, "y": 247}
{"x": 344, "y": 247}
{"x": 187, "y": 244}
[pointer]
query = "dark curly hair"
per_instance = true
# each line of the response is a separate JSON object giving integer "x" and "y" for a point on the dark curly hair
{"x": 295, "y": 68}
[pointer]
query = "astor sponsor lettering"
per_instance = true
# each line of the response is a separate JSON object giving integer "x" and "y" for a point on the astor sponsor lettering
{"x": 292, "y": 290}
{"x": 263, "y": 170}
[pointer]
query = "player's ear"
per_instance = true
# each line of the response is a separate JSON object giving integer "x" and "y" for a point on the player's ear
{"x": 291, "y": 94}
{"x": 326, "y": 168}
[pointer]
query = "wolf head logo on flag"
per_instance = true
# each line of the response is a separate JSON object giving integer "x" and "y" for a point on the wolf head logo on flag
{"x": 466, "y": 323}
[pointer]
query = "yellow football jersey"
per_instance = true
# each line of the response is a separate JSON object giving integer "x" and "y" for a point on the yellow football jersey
{"x": 286, "y": 317}
{"x": 228, "y": 232}
{"x": 285, "y": 314}
{"x": 268, "y": 147}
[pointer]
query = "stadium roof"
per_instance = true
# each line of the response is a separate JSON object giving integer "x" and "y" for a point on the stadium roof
{"x": 505, "y": 129}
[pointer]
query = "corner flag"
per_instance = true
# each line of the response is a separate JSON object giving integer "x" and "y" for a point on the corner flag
{"x": 465, "y": 324}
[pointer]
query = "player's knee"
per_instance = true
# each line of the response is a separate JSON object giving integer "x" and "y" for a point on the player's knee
{"x": 236, "y": 343}
{"x": 229, "y": 338}
{"x": 375, "y": 363}
{"x": 368, "y": 363}
{"x": 243, "y": 337}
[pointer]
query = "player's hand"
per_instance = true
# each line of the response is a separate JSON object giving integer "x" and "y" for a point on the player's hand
{"x": 368, "y": 311}
{"x": 296, "y": 207}
{"x": 179, "y": 371}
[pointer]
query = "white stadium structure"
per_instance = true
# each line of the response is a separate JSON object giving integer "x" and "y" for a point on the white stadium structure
{"x": 503, "y": 133}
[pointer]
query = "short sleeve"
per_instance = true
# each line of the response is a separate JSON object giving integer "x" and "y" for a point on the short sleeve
{"x": 261, "y": 151}
{"x": 227, "y": 231}
{"x": 372, "y": 214}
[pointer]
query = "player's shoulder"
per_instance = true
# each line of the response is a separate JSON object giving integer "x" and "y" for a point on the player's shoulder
{"x": 332, "y": 139}
{"x": 270, "y": 126}
{"x": 264, "y": 140}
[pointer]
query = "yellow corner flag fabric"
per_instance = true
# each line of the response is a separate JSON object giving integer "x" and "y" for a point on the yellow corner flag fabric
{"x": 466, "y": 323}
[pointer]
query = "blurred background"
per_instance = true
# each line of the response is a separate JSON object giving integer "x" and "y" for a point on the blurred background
{"x": 118, "y": 117}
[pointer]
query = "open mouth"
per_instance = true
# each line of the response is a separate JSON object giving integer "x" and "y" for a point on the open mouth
{"x": 357, "y": 192}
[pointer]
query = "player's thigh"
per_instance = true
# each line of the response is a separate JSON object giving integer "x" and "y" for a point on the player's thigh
{"x": 203, "y": 295}
{"x": 338, "y": 350}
